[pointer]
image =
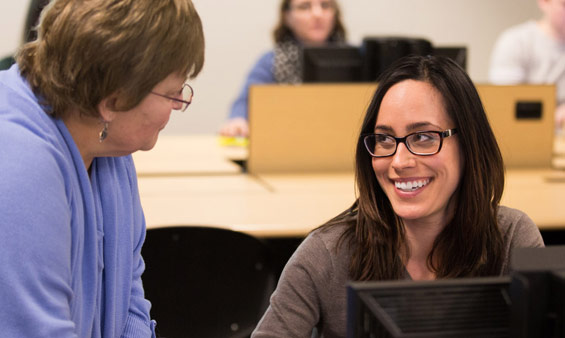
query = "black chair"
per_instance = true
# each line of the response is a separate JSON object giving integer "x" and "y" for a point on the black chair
{"x": 206, "y": 282}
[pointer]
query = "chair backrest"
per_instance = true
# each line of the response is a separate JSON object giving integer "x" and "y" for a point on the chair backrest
{"x": 206, "y": 282}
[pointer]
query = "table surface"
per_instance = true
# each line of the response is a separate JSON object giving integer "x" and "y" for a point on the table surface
{"x": 245, "y": 203}
{"x": 178, "y": 155}
{"x": 192, "y": 180}
{"x": 293, "y": 205}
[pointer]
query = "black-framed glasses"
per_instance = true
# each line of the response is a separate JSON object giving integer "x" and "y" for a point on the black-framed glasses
{"x": 423, "y": 143}
{"x": 186, "y": 93}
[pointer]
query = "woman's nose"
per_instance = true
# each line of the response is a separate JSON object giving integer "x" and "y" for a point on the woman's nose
{"x": 403, "y": 158}
{"x": 317, "y": 10}
{"x": 177, "y": 105}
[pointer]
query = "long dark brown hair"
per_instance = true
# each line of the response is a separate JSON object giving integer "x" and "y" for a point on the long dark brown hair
{"x": 282, "y": 32}
{"x": 471, "y": 243}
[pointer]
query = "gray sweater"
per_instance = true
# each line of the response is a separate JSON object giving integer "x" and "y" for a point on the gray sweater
{"x": 311, "y": 291}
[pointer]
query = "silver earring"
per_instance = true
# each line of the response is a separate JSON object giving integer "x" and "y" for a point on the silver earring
{"x": 103, "y": 133}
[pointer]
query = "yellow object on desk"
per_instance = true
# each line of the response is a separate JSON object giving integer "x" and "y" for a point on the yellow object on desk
{"x": 226, "y": 141}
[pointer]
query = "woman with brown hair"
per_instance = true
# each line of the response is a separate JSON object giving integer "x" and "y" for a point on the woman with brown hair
{"x": 430, "y": 177}
{"x": 98, "y": 84}
{"x": 301, "y": 23}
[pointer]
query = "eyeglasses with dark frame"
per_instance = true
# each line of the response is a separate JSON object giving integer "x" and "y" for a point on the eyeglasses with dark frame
{"x": 422, "y": 143}
{"x": 187, "y": 93}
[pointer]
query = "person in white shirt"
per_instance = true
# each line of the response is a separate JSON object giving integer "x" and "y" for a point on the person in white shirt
{"x": 534, "y": 52}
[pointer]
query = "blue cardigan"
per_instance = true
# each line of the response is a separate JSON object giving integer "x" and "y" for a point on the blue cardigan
{"x": 70, "y": 262}
{"x": 261, "y": 73}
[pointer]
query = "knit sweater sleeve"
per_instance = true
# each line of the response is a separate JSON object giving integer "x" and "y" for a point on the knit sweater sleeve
{"x": 138, "y": 323}
{"x": 518, "y": 231}
{"x": 296, "y": 305}
{"x": 261, "y": 73}
{"x": 35, "y": 227}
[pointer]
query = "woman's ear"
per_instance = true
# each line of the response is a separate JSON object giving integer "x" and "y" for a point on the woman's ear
{"x": 107, "y": 107}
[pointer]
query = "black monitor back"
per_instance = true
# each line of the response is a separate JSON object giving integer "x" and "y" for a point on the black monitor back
{"x": 456, "y": 53}
{"x": 381, "y": 52}
{"x": 332, "y": 64}
{"x": 529, "y": 304}
{"x": 442, "y": 308}
{"x": 538, "y": 292}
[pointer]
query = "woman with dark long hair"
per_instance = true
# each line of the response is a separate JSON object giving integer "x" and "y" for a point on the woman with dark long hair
{"x": 430, "y": 177}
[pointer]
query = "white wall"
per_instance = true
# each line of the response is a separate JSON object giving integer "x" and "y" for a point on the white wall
{"x": 12, "y": 19}
{"x": 237, "y": 32}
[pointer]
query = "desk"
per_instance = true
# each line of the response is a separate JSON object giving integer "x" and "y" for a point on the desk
{"x": 293, "y": 205}
{"x": 177, "y": 155}
{"x": 221, "y": 201}
{"x": 538, "y": 193}
{"x": 281, "y": 207}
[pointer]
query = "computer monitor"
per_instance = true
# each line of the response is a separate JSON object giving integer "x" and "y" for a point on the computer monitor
{"x": 528, "y": 303}
{"x": 456, "y": 53}
{"x": 379, "y": 53}
{"x": 443, "y": 308}
{"x": 538, "y": 292}
{"x": 337, "y": 63}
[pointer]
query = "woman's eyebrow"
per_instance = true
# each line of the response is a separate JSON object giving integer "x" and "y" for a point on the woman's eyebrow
{"x": 383, "y": 129}
{"x": 419, "y": 125}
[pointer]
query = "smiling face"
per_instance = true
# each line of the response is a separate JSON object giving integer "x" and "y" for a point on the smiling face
{"x": 138, "y": 128}
{"x": 420, "y": 188}
{"x": 311, "y": 21}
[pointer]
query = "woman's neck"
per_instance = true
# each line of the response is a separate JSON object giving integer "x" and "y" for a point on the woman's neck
{"x": 422, "y": 232}
{"x": 420, "y": 240}
{"x": 84, "y": 131}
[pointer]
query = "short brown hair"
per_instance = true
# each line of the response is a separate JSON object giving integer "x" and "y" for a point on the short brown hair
{"x": 283, "y": 32}
{"x": 89, "y": 49}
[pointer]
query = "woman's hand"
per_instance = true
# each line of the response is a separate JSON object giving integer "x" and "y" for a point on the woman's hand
{"x": 235, "y": 127}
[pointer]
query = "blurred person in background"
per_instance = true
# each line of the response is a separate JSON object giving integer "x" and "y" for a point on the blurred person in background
{"x": 301, "y": 23}
{"x": 534, "y": 53}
